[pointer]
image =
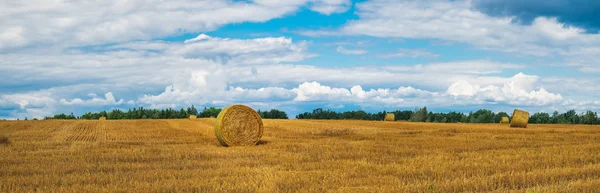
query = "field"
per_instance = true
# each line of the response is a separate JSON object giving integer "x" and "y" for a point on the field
{"x": 297, "y": 156}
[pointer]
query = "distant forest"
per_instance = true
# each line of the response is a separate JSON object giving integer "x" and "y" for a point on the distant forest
{"x": 480, "y": 116}
{"x": 143, "y": 113}
{"x": 417, "y": 115}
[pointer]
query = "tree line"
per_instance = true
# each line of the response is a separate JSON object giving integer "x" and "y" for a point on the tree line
{"x": 169, "y": 113}
{"x": 479, "y": 116}
{"x": 417, "y": 115}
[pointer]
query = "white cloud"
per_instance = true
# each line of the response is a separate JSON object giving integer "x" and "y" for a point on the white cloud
{"x": 481, "y": 71}
{"x": 551, "y": 28}
{"x": 249, "y": 51}
{"x": 328, "y": 7}
{"x": 343, "y": 50}
{"x": 452, "y": 20}
{"x": 30, "y": 100}
{"x": 145, "y": 64}
{"x": 12, "y": 36}
{"x": 191, "y": 70}
{"x": 108, "y": 100}
{"x": 36, "y": 104}
{"x": 210, "y": 87}
{"x": 518, "y": 90}
{"x": 458, "y": 21}
{"x": 315, "y": 91}
{"x": 411, "y": 53}
{"x": 72, "y": 23}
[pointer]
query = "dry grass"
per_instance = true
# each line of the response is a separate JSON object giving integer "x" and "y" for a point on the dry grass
{"x": 297, "y": 156}
{"x": 4, "y": 140}
{"x": 333, "y": 132}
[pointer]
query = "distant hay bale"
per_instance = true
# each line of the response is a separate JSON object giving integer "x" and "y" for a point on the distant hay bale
{"x": 504, "y": 120}
{"x": 193, "y": 117}
{"x": 102, "y": 119}
{"x": 389, "y": 117}
{"x": 519, "y": 119}
{"x": 212, "y": 117}
{"x": 238, "y": 125}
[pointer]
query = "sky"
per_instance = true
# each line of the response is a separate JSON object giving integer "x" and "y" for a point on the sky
{"x": 59, "y": 56}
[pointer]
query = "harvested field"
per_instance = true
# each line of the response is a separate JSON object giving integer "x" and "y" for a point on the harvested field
{"x": 297, "y": 155}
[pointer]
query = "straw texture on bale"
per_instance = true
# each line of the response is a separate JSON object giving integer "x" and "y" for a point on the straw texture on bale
{"x": 504, "y": 120}
{"x": 192, "y": 117}
{"x": 519, "y": 119}
{"x": 102, "y": 118}
{"x": 238, "y": 125}
{"x": 389, "y": 117}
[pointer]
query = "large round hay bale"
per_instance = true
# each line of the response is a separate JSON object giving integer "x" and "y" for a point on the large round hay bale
{"x": 102, "y": 118}
{"x": 519, "y": 119}
{"x": 504, "y": 120}
{"x": 193, "y": 117}
{"x": 238, "y": 125}
{"x": 389, "y": 117}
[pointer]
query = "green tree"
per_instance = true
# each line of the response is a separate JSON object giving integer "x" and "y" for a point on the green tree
{"x": 210, "y": 112}
{"x": 540, "y": 118}
{"x": 590, "y": 117}
{"x": 419, "y": 115}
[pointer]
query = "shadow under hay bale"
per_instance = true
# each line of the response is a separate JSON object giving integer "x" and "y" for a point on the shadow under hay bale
{"x": 519, "y": 119}
{"x": 504, "y": 120}
{"x": 389, "y": 117}
{"x": 238, "y": 125}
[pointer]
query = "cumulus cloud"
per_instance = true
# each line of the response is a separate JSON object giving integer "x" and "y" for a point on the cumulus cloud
{"x": 37, "y": 104}
{"x": 315, "y": 91}
{"x": 211, "y": 87}
{"x": 518, "y": 90}
{"x": 109, "y": 99}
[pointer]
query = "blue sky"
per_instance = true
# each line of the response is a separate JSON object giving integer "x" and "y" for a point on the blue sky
{"x": 64, "y": 56}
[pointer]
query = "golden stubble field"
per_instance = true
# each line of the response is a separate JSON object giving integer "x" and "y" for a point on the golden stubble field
{"x": 297, "y": 156}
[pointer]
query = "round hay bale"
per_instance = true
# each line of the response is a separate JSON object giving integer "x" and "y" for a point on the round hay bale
{"x": 504, "y": 120}
{"x": 519, "y": 119}
{"x": 193, "y": 117}
{"x": 389, "y": 117}
{"x": 238, "y": 125}
{"x": 102, "y": 119}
